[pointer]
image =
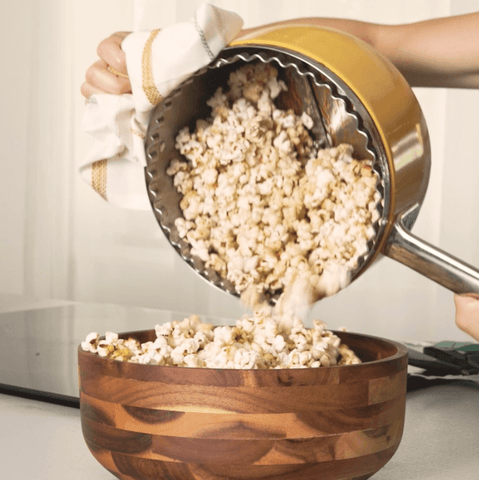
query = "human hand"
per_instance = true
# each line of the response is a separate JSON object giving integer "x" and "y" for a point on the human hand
{"x": 467, "y": 314}
{"x": 109, "y": 73}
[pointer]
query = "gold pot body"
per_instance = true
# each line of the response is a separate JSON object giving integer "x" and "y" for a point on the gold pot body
{"x": 382, "y": 97}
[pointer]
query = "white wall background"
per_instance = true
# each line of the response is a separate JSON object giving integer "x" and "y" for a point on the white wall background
{"x": 58, "y": 239}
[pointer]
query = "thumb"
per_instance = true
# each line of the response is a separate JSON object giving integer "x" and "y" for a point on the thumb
{"x": 467, "y": 313}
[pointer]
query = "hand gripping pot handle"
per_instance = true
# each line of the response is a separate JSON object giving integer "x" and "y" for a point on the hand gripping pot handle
{"x": 428, "y": 260}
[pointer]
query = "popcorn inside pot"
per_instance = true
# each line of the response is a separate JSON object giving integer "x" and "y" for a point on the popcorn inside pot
{"x": 262, "y": 205}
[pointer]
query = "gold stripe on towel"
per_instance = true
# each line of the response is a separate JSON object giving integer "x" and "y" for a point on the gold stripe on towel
{"x": 138, "y": 133}
{"x": 151, "y": 92}
{"x": 98, "y": 177}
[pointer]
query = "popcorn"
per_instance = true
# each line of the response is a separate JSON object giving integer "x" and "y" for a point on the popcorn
{"x": 268, "y": 211}
{"x": 262, "y": 205}
{"x": 260, "y": 341}
{"x": 91, "y": 342}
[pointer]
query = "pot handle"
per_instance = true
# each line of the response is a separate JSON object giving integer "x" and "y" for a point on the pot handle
{"x": 448, "y": 271}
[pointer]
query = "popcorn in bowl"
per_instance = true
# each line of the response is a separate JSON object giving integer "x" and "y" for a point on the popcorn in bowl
{"x": 260, "y": 341}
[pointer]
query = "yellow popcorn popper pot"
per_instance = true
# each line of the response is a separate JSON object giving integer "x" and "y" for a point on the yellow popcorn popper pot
{"x": 354, "y": 96}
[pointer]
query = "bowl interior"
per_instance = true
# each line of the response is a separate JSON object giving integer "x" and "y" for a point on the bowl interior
{"x": 368, "y": 348}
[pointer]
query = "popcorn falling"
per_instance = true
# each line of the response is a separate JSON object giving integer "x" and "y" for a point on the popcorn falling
{"x": 268, "y": 211}
{"x": 256, "y": 342}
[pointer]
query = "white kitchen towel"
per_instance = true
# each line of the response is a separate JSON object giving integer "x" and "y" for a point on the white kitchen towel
{"x": 157, "y": 61}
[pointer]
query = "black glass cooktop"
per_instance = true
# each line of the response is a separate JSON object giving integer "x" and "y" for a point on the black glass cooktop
{"x": 38, "y": 348}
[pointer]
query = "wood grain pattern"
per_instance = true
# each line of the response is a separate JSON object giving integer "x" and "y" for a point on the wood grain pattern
{"x": 242, "y": 451}
{"x": 238, "y": 399}
{"x": 151, "y": 422}
{"x": 352, "y": 469}
{"x": 262, "y": 425}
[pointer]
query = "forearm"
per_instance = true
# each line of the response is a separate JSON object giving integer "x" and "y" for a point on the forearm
{"x": 441, "y": 52}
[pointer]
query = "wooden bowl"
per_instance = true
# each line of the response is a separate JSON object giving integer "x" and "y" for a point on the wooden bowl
{"x": 174, "y": 423}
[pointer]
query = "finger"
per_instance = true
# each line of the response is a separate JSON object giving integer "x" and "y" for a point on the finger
{"x": 110, "y": 51}
{"x": 87, "y": 90}
{"x": 467, "y": 314}
{"x": 99, "y": 76}
{"x": 120, "y": 35}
